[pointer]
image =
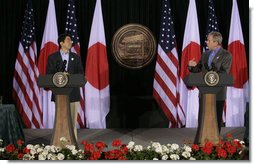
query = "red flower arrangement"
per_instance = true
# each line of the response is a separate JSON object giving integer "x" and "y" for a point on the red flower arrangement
{"x": 229, "y": 150}
{"x": 224, "y": 150}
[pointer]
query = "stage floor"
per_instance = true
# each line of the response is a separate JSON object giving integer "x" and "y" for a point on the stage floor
{"x": 142, "y": 136}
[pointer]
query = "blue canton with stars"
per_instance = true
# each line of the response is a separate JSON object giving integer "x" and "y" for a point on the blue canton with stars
{"x": 167, "y": 33}
{"x": 28, "y": 29}
{"x": 212, "y": 23}
{"x": 71, "y": 23}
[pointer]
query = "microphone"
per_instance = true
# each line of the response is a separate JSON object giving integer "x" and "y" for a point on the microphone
{"x": 57, "y": 66}
{"x": 64, "y": 66}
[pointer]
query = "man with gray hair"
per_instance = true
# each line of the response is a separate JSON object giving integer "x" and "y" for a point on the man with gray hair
{"x": 218, "y": 59}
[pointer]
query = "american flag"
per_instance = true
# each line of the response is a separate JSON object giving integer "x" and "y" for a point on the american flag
{"x": 72, "y": 29}
{"x": 25, "y": 89}
{"x": 165, "y": 87}
{"x": 212, "y": 23}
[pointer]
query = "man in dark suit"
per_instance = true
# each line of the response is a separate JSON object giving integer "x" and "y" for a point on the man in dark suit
{"x": 66, "y": 61}
{"x": 218, "y": 59}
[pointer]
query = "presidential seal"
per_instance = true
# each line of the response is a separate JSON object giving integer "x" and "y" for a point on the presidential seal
{"x": 60, "y": 79}
{"x": 211, "y": 78}
{"x": 133, "y": 46}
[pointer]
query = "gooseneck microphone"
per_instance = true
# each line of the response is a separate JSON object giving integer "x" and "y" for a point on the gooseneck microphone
{"x": 64, "y": 66}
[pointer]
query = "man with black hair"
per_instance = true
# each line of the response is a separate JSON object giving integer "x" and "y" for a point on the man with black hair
{"x": 66, "y": 61}
{"x": 218, "y": 59}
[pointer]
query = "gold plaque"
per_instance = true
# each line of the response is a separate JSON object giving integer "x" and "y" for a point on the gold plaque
{"x": 212, "y": 78}
{"x": 133, "y": 46}
{"x": 60, "y": 79}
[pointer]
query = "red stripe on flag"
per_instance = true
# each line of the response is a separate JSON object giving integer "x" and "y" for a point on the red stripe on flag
{"x": 165, "y": 109}
{"x": 24, "y": 90}
{"x": 166, "y": 89}
{"x": 97, "y": 66}
{"x": 191, "y": 51}
{"x": 239, "y": 68}
{"x": 48, "y": 48}
{"x": 166, "y": 69}
{"x": 30, "y": 82}
{"x": 22, "y": 113}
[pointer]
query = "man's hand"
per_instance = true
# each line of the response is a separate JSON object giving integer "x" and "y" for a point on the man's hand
{"x": 192, "y": 62}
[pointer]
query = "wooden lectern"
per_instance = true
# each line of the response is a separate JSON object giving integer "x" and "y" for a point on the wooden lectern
{"x": 63, "y": 123}
{"x": 207, "y": 128}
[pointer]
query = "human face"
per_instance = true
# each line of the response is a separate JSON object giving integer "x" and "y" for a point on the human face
{"x": 210, "y": 43}
{"x": 67, "y": 44}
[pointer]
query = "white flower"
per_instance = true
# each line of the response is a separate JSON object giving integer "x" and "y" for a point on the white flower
{"x": 26, "y": 157}
{"x": 158, "y": 149}
{"x": 74, "y": 152}
{"x": 130, "y": 145}
{"x": 168, "y": 145}
{"x": 29, "y": 146}
{"x": 155, "y": 159}
{"x": 58, "y": 149}
{"x": 187, "y": 148}
{"x": 164, "y": 157}
{"x": 53, "y": 157}
{"x": 148, "y": 147}
{"x": 242, "y": 142}
{"x": 165, "y": 149}
{"x": 36, "y": 146}
{"x": 191, "y": 158}
{"x": 32, "y": 151}
{"x": 53, "y": 149}
{"x": 41, "y": 157}
{"x": 60, "y": 156}
{"x": 186, "y": 154}
{"x": 2, "y": 149}
{"x": 174, "y": 157}
{"x": 45, "y": 152}
{"x": 1, "y": 141}
{"x": 47, "y": 147}
{"x": 39, "y": 150}
{"x": 156, "y": 144}
{"x": 138, "y": 148}
{"x": 49, "y": 156}
{"x": 174, "y": 146}
{"x": 63, "y": 139}
{"x": 70, "y": 147}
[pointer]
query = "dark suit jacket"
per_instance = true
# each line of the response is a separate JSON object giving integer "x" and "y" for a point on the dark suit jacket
{"x": 74, "y": 67}
{"x": 222, "y": 61}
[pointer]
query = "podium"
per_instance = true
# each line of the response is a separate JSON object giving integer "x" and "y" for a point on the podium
{"x": 63, "y": 123}
{"x": 208, "y": 127}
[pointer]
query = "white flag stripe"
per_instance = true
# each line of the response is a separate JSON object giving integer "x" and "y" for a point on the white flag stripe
{"x": 94, "y": 104}
{"x": 29, "y": 91}
{"x": 167, "y": 61}
{"x": 50, "y": 35}
{"x": 21, "y": 97}
{"x": 97, "y": 30}
{"x": 191, "y": 21}
{"x": 166, "y": 79}
{"x": 235, "y": 34}
{"x": 50, "y": 22}
{"x": 165, "y": 98}
{"x": 237, "y": 97}
{"x": 48, "y": 108}
{"x": 188, "y": 98}
{"x": 193, "y": 108}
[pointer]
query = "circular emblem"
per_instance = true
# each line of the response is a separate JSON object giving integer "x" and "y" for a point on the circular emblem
{"x": 133, "y": 46}
{"x": 60, "y": 79}
{"x": 212, "y": 78}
